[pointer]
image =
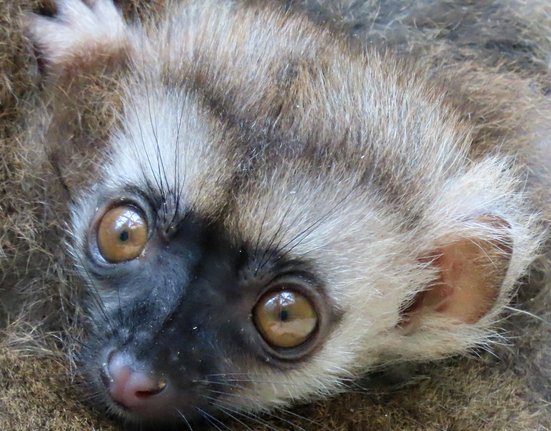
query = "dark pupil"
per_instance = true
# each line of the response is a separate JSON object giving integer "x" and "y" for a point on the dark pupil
{"x": 283, "y": 315}
{"x": 124, "y": 236}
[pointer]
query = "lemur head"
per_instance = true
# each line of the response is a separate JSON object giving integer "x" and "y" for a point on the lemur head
{"x": 271, "y": 212}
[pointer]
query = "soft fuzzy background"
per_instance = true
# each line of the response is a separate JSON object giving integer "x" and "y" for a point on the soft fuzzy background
{"x": 507, "y": 389}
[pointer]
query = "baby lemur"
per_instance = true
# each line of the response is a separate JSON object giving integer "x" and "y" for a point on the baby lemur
{"x": 288, "y": 194}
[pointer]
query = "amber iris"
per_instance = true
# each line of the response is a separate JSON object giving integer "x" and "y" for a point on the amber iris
{"x": 122, "y": 234}
{"x": 285, "y": 318}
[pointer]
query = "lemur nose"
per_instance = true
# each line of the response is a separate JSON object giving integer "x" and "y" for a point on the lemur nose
{"x": 129, "y": 386}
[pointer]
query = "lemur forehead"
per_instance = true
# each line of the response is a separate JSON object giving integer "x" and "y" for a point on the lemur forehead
{"x": 172, "y": 144}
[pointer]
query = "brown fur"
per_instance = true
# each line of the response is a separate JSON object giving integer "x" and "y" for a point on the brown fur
{"x": 509, "y": 391}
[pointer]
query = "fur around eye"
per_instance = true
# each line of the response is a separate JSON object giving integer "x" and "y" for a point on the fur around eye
{"x": 122, "y": 234}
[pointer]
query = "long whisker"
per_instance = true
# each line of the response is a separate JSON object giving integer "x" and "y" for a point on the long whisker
{"x": 183, "y": 416}
{"x": 212, "y": 420}
{"x": 94, "y": 293}
{"x": 227, "y": 412}
{"x": 219, "y": 402}
{"x": 247, "y": 415}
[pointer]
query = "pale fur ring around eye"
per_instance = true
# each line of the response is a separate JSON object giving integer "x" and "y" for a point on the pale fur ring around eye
{"x": 285, "y": 318}
{"x": 122, "y": 233}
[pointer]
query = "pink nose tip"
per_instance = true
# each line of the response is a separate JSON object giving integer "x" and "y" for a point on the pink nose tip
{"x": 129, "y": 387}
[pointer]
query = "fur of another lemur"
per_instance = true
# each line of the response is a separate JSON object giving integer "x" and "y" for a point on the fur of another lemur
{"x": 494, "y": 52}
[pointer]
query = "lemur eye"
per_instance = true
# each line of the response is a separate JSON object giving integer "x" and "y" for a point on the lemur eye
{"x": 285, "y": 318}
{"x": 122, "y": 234}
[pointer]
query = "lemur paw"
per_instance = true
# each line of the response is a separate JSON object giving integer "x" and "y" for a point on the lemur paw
{"x": 78, "y": 34}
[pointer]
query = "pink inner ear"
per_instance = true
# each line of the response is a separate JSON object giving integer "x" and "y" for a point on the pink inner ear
{"x": 470, "y": 275}
{"x": 467, "y": 288}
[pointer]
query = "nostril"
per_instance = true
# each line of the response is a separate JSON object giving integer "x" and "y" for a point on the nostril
{"x": 130, "y": 383}
{"x": 161, "y": 385}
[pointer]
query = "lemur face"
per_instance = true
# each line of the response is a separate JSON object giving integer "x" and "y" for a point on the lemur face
{"x": 273, "y": 212}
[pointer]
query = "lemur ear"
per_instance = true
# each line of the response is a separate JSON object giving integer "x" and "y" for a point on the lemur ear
{"x": 469, "y": 274}
{"x": 78, "y": 36}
